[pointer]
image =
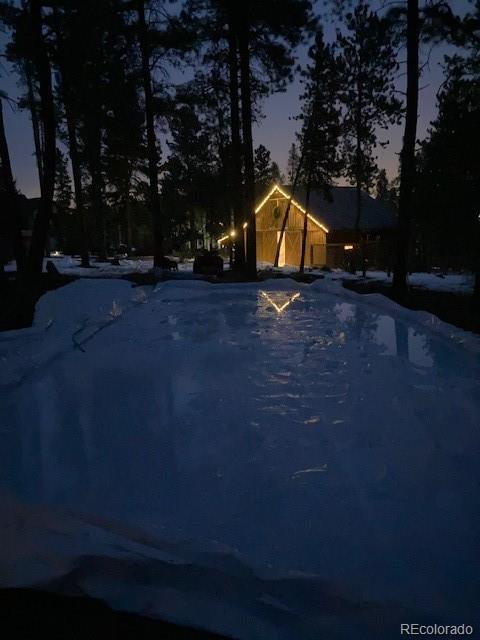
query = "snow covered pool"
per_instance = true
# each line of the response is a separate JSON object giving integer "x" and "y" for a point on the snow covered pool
{"x": 325, "y": 442}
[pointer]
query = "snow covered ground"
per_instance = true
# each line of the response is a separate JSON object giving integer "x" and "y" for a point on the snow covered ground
{"x": 452, "y": 282}
{"x": 72, "y": 266}
{"x": 270, "y": 460}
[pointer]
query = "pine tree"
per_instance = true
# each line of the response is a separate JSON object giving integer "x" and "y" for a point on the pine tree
{"x": 434, "y": 21}
{"x": 266, "y": 171}
{"x": 320, "y": 132}
{"x": 152, "y": 147}
{"x": 386, "y": 190}
{"x": 190, "y": 181}
{"x": 318, "y": 163}
{"x": 367, "y": 52}
{"x": 29, "y": 50}
{"x": 407, "y": 157}
{"x": 42, "y": 65}
{"x": 69, "y": 58}
{"x": 445, "y": 225}
{"x": 63, "y": 183}
{"x": 261, "y": 38}
{"x": 10, "y": 230}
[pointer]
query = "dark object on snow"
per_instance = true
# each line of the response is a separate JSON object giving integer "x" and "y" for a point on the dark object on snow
{"x": 33, "y": 613}
{"x": 115, "y": 262}
{"x": 208, "y": 263}
{"x": 166, "y": 263}
{"x": 51, "y": 268}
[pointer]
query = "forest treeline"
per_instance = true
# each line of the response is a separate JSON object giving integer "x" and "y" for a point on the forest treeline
{"x": 142, "y": 114}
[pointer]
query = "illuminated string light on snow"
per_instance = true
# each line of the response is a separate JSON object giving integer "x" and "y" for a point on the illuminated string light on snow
{"x": 281, "y": 308}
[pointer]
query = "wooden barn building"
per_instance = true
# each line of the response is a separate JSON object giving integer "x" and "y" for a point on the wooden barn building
{"x": 330, "y": 228}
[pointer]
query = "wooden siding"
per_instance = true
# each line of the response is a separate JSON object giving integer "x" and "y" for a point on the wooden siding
{"x": 269, "y": 222}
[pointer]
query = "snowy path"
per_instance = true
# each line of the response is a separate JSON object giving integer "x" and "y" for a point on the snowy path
{"x": 338, "y": 438}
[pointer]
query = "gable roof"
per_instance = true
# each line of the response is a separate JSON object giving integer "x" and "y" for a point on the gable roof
{"x": 340, "y": 212}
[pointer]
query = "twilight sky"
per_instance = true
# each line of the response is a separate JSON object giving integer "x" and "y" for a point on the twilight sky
{"x": 275, "y": 130}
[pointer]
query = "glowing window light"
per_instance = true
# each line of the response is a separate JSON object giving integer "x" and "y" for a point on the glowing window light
{"x": 295, "y": 204}
{"x": 348, "y": 247}
{"x": 278, "y": 308}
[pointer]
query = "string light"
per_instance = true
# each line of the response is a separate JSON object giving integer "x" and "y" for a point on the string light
{"x": 279, "y": 309}
{"x": 295, "y": 204}
{"x": 233, "y": 233}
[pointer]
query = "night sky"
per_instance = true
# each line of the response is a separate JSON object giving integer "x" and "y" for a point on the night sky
{"x": 275, "y": 130}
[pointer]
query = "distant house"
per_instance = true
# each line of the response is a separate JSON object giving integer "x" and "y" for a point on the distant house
{"x": 330, "y": 227}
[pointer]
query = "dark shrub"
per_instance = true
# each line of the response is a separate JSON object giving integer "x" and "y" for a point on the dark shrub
{"x": 208, "y": 263}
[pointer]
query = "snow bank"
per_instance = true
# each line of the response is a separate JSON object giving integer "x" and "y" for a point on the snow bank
{"x": 63, "y": 317}
{"x": 72, "y": 266}
{"x": 452, "y": 282}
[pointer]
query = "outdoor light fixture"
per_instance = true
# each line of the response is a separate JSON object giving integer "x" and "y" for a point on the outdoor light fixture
{"x": 348, "y": 247}
{"x": 284, "y": 305}
{"x": 245, "y": 225}
{"x": 220, "y": 240}
{"x": 233, "y": 233}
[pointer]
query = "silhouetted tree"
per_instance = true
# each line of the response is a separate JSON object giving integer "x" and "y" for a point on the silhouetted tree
{"x": 10, "y": 223}
{"x": 368, "y": 59}
{"x": 260, "y": 38}
{"x": 321, "y": 125}
{"x": 41, "y": 63}
{"x": 153, "y": 154}
{"x": 266, "y": 170}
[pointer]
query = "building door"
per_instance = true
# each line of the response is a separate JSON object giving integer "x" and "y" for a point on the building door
{"x": 281, "y": 255}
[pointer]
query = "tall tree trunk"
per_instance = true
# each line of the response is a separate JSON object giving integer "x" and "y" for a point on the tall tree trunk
{"x": 296, "y": 179}
{"x": 47, "y": 113}
{"x": 128, "y": 220}
{"x": 77, "y": 183}
{"x": 246, "y": 95}
{"x": 236, "y": 143}
{"x": 97, "y": 187}
{"x": 407, "y": 169}
{"x": 153, "y": 159}
{"x": 358, "y": 179}
{"x": 71, "y": 120}
{"x": 305, "y": 224}
{"x": 11, "y": 223}
{"x": 99, "y": 212}
{"x": 476, "y": 269}
{"x": 35, "y": 123}
{"x": 476, "y": 291}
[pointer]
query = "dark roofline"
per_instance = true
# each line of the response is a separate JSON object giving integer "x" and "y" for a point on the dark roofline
{"x": 338, "y": 214}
